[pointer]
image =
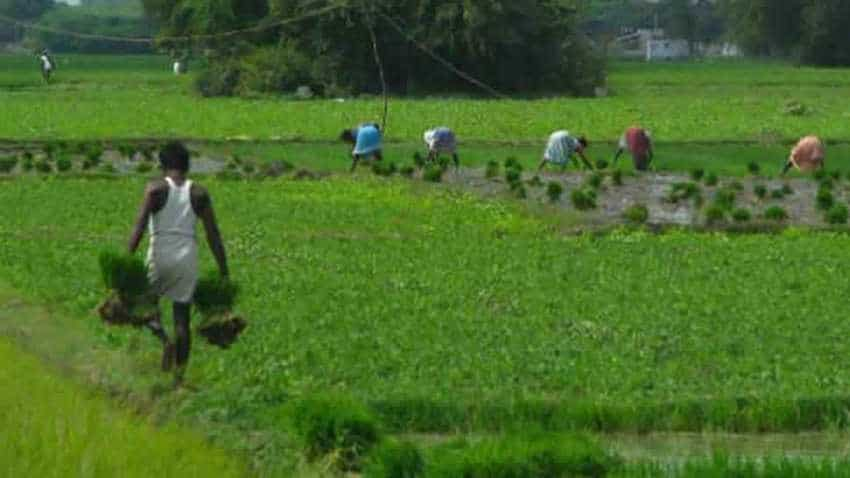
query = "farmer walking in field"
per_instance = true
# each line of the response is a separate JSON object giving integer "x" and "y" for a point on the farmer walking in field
{"x": 808, "y": 155}
{"x": 441, "y": 140}
{"x": 170, "y": 209}
{"x": 561, "y": 148}
{"x": 638, "y": 142}
{"x": 47, "y": 65}
{"x": 367, "y": 140}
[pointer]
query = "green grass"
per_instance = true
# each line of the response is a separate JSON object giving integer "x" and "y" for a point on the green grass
{"x": 371, "y": 289}
{"x": 140, "y": 97}
{"x": 56, "y": 429}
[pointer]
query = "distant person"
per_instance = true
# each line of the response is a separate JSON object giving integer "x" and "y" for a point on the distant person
{"x": 561, "y": 148}
{"x": 47, "y": 65}
{"x": 441, "y": 140}
{"x": 170, "y": 209}
{"x": 638, "y": 142}
{"x": 808, "y": 155}
{"x": 367, "y": 141}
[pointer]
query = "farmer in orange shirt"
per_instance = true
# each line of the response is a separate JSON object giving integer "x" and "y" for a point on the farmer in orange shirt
{"x": 638, "y": 142}
{"x": 808, "y": 155}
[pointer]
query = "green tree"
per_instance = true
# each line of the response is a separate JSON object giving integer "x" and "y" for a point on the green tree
{"x": 826, "y": 40}
{"x": 23, "y": 10}
{"x": 766, "y": 27}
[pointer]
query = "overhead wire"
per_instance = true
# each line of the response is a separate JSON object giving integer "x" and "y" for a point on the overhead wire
{"x": 176, "y": 38}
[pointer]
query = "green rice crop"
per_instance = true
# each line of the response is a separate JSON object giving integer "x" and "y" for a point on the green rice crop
{"x": 61, "y": 430}
{"x": 637, "y": 214}
{"x": 520, "y": 454}
{"x": 124, "y": 273}
{"x": 369, "y": 288}
{"x": 554, "y": 190}
{"x": 214, "y": 294}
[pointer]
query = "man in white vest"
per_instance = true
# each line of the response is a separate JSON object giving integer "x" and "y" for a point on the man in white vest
{"x": 170, "y": 209}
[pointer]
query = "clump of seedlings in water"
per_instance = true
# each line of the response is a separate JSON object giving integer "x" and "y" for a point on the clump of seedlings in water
{"x": 617, "y": 177}
{"x": 433, "y": 173}
{"x": 725, "y": 198}
{"x": 513, "y": 174}
{"x": 760, "y": 190}
{"x": 49, "y": 150}
{"x": 741, "y": 215}
{"x": 583, "y": 199}
{"x": 715, "y": 214}
{"x": 249, "y": 168}
{"x": 601, "y": 164}
{"x": 384, "y": 168}
{"x": 492, "y": 170}
{"x": 554, "y": 190}
{"x": 736, "y": 186}
{"x": 637, "y": 214}
{"x": 535, "y": 182}
{"x": 754, "y": 168}
{"x": 144, "y": 167}
{"x": 407, "y": 171}
{"x": 835, "y": 175}
{"x": 595, "y": 180}
{"x": 824, "y": 199}
{"x": 775, "y": 213}
{"x": 711, "y": 179}
{"x": 697, "y": 174}
{"x": 107, "y": 168}
{"x": 93, "y": 156}
{"x": 520, "y": 191}
{"x": 64, "y": 164}
{"x": 787, "y": 190}
{"x": 7, "y": 164}
{"x": 43, "y": 166}
{"x": 419, "y": 160}
{"x": 126, "y": 150}
{"x": 837, "y": 214}
{"x": 684, "y": 191}
{"x": 28, "y": 164}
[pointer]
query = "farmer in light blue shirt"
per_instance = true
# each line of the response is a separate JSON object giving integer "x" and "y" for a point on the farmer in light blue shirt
{"x": 561, "y": 148}
{"x": 367, "y": 140}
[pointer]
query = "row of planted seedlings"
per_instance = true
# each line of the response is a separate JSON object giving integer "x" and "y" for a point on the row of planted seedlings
{"x": 85, "y": 157}
{"x": 724, "y": 200}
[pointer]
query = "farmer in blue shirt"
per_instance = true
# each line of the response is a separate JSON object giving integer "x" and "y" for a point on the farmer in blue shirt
{"x": 367, "y": 141}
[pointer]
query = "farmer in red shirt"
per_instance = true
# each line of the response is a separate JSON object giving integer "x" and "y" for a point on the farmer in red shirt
{"x": 639, "y": 143}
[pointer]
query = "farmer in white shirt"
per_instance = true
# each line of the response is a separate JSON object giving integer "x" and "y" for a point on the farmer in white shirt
{"x": 561, "y": 148}
{"x": 47, "y": 65}
{"x": 170, "y": 209}
{"x": 441, "y": 140}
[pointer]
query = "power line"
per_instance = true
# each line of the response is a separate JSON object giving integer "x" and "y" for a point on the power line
{"x": 447, "y": 64}
{"x": 148, "y": 40}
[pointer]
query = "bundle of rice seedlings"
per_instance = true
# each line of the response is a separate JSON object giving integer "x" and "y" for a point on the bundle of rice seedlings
{"x": 215, "y": 298}
{"x": 130, "y": 301}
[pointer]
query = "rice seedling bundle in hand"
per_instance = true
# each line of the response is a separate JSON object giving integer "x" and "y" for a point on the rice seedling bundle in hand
{"x": 215, "y": 297}
{"x": 130, "y": 300}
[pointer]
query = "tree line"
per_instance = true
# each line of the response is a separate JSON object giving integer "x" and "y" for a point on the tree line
{"x": 515, "y": 46}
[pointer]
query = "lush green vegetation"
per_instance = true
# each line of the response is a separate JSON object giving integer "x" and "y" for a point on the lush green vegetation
{"x": 61, "y": 430}
{"x": 370, "y": 289}
{"x": 125, "y": 97}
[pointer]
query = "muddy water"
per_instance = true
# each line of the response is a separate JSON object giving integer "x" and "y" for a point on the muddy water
{"x": 651, "y": 190}
{"x": 678, "y": 447}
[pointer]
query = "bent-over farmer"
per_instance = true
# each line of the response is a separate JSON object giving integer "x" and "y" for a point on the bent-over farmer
{"x": 808, "y": 155}
{"x": 561, "y": 148}
{"x": 367, "y": 141}
{"x": 638, "y": 142}
{"x": 441, "y": 140}
{"x": 47, "y": 65}
{"x": 170, "y": 209}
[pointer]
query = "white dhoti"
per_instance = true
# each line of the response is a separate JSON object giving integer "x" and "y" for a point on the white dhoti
{"x": 173, "y": 253}
{"x": 173, "y": 267}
